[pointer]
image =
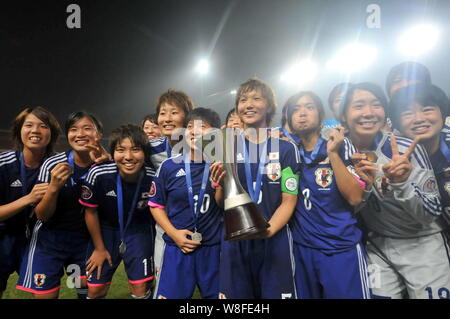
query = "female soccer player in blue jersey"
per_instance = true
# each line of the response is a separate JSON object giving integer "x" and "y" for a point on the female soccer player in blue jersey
{"x": 420, "y": 110}
{"x": 401, "y": 207}
{"x": 262, "y": 268}
{"x": 34, "y": 134}
{"x": 182, "y": 201}
{"x": 60, "y": 237}
{"x": 115, "y": 196}
{"x": 330, "y": 260}
{"x": 172, "y": 108}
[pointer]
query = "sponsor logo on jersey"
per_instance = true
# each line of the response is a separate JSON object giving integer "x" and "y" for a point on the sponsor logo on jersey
{"x": 273, "y": 171}
{"x": 16, "y": 183}
{"x": 447, "y": 187}
{"x": 111, "y": 193}
{"x": 39, "y": 279}
{"x": 274, "y": 156}
{"x": 382, "y": 185}
{"x": 291, "y": 184}
{"x": 239, "y": 157}
{"x": 324, "y": 176}
{"x": 86, "y": 193}
{"x": 430, "y": 186}
{"x": 152, "y": 190}
{"x": 180, "y": 173}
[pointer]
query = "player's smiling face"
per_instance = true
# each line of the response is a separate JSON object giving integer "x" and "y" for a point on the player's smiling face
{"x": 305, "y": 118}
{"x": 364, "y": 115}
{"x": 195, "y": 130}
{"x": 423, "y": 121}
{"x": 129, "y": 157}
{"x": 34, "y": 133}
{"x": 170, "y": 119}
{"x": 83, "y": 132}
{"x": 151, "y": 130}
{"x": 253, "y": 109}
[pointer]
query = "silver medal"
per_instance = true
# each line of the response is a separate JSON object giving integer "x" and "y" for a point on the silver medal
{"x": 196, "y": 236}
{"x": 122, "y": 248}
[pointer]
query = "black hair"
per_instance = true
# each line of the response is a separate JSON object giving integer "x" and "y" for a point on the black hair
{"x": 288, "y": 109}
{"x": 153, "y": 118}
{"x": 206, "y": 115}
{"x": 131, "y": 131}
{"x": 425, "y": 95}
{"x": 365, "y": 86}
{"x": 231, "y": 112}
{"x": 411, "y": 71}
{"x": 337, "y": 89}
{"x": 76, "y": 116}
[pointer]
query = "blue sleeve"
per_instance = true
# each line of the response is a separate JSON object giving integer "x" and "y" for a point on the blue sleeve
{"x": 157, "y": 195}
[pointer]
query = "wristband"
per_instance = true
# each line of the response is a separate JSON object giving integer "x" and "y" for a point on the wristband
{"x": 215, "y": 184}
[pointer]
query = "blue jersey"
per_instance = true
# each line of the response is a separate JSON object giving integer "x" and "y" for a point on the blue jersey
{"x": 280, "y": 156}
{"x": 100, "y": 190}
{"x": 323, "y": 219}
{"x": 440, "y": 161}
{"x": 68, "y": 214}
{"x": 13, "y": 187}
{"x": 170, "y": 192}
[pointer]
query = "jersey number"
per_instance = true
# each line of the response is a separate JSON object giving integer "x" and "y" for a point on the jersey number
{"x": 205, "y": 205}
{"x": 306, "y": 194}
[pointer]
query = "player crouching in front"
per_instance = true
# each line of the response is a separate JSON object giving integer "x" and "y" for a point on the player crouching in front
{"x": 115, "y": 197}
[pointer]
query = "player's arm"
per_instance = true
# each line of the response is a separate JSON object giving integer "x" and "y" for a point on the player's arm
{"x": 100, "y": 253}
{"x": 9, "y": 210}
{"x": 217, "y": 175}
{"x": 179, "y": 236}
{"x": 348, "y": 185}
{"x": 283, "y": 213}
{"x": 47, "y": 206}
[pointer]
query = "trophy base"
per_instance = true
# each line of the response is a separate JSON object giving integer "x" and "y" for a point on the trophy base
{"x": 244, "y": 222}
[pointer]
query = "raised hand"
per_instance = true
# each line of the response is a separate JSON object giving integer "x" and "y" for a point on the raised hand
{"x": 97, "y": 152}
{"x": 60, "y": 174}
{"x": 217, "y": 173}
{"x": 364, "y": 168}
{"x": 336, "y": 139}
{"x": 399, "y": 168}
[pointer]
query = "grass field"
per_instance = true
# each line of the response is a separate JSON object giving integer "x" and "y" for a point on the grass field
{"x": 119, "y": 288}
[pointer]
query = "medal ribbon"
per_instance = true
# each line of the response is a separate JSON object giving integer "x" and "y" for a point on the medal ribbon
{"x": 314, "y": 152}
{"x": 254, "y": 192}
{"x": 187, "y": 167}
{"x": 120, "y": 208}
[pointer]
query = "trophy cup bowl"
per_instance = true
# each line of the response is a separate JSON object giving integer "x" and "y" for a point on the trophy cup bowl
{"x": 242, "y": 219}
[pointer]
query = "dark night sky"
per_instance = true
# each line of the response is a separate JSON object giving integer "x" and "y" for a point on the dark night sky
{"x": 128, "y": 52}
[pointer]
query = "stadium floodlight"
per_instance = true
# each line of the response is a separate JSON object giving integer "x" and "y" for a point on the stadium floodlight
{"x": 202, "y": 67}
{"x": 303, "y": 72}
{"x": 418, "y": 40}
{"x": 353, "y": 57}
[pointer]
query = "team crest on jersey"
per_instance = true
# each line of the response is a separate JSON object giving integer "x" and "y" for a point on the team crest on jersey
{"x": 325, "y": 161}
{"x": 86, "y": 193}
{"x": 39, "y": 279}
{"x": 382, "y": 185}
{"x": 273, "y": 171}
{"x": 324, "y": 176}
{"x": 152, "y": 190}
{"x": 430, "y": 185}
{"x": 161, "y": 297}
{"x": 222, "y": 295}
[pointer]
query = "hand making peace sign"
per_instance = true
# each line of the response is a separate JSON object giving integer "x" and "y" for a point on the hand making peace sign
{"x": 399, "y": 168}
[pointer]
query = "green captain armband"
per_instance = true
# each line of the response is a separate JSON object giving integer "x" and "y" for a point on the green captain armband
{"x": 289, "y": 181}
